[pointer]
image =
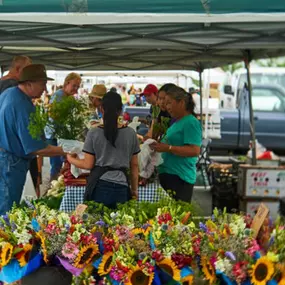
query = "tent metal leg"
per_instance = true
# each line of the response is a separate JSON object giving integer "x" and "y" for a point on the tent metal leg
{"x": 251, "y": 115}
{"x": 2, "y": 70}
{"x": 201, "y": 97}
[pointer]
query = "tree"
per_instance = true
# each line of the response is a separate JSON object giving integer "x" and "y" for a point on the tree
{"x": 271, "y": 62}
{"x": 232, "y": 67}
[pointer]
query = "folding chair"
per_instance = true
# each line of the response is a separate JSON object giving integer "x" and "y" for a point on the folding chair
{"x": 204, "y": 162}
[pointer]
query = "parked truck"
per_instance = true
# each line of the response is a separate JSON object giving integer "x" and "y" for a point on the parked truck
{"x": 268, "y": 102}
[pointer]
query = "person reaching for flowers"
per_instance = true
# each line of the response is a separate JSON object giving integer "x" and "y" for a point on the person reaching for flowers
{"x": 110, "y": 150}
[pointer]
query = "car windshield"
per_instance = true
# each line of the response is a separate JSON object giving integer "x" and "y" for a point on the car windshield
{"x": 261, "y": 78}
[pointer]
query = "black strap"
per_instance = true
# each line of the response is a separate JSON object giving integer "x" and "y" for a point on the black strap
{"x": 96, "y": 173}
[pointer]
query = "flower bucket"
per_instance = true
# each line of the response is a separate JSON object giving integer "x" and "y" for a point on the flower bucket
{"x": 13, "y": 272}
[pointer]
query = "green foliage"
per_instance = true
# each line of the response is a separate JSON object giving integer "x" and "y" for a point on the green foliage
{"x": 271, "y": 62}
{"x": 160, "y": 128}
{"x": 143, "y": 211}
{"x": 232, "y": 67}
{"x": 38, "y": 121}
{"x": 65, "y": 118}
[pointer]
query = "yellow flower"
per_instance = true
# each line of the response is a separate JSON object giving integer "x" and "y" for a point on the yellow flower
{"x": 280, "y": 276}
{"x": 188, "y": 280}
{"x": 25, "y": 256}
{"x": 262, "y": 271}
{"x": 137, "y": 276}
{"x": 43, "y": 246}
{"x": 106, "y": 264}
{"x": 208, "y": 270}
{"x": 170, "y": 267}
{"x": 6, "y": 254}
{"x": 86, "y": 255}
{"x": 272, "y": 256}
{"x": 137, "y": 231}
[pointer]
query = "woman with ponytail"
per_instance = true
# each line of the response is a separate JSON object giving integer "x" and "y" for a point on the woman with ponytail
{"x": 110, "y": 150}
{"x": 180, "y": 146}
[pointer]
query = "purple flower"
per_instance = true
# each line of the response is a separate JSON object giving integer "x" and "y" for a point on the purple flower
{"x": 67, "y": 226}
{"x": 271, "y": 241}
{"x": 6, "y": 219}
{"x": 13, "y": 226}
{"x": 203, "y": 227}
{"x": 29, "y": 204}
{"x": 145, "y": 226}
{"x": 100, "y": 223}
{"x": 230, "y": 255}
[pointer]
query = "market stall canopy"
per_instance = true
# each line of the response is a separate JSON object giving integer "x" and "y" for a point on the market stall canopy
{"x": 140, "y": 34}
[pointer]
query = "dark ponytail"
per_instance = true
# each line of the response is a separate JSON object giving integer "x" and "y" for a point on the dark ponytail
{"x": 190, "y": 104}
{"x": 112, "y": 107}
{"x": 177, "y": 93}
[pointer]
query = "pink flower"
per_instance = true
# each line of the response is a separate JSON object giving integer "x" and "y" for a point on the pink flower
{"x": 52, "y": 229}
{"x": 213, "y": 261}
{"x": 70, "y": 251}
{"x": 240, "y": 271}
{"x": 253, "y": 247}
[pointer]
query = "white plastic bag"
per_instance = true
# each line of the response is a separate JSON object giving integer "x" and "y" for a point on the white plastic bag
{"x": 73, "y": 146}
{"x": 148, "y": 159}
{"x": 260, "y": 149}
{"x": 134, "y": 124}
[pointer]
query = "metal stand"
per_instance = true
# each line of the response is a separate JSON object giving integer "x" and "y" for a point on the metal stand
{"x": 201, "y": 97}
{"x": 251, "y": 115}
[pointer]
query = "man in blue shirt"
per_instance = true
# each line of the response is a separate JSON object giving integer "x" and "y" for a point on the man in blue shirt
{"x": 17, "y": 147}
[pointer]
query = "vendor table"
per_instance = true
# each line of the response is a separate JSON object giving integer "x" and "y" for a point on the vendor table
{"x": 73, "y": 195}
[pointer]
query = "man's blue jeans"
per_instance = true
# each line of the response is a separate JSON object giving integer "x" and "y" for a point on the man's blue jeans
{"x": 55, "y": 162}
{"x": 13, "y": 172}
{"x": 110, "y": 194}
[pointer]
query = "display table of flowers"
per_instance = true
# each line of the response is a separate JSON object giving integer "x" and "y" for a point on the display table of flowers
{"x": 140, "y": 243}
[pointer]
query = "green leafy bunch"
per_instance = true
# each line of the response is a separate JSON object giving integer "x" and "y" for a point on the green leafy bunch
{"x": 160, "y": 128}
{"x": 65, "y": 118}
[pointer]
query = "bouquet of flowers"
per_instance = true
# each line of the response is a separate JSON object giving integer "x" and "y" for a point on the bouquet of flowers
{"x": 19, "y": 252}
{"x": 127, "y": 257}
{"x": 171, "y": 239}
{"x": 228, "y": 252}
{"x": 66, "y": 237}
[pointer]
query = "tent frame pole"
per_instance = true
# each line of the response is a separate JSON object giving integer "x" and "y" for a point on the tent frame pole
{"x": 2, "y": 70}
{"x": 251, "y": 114}
{"x": 201, "y": 97}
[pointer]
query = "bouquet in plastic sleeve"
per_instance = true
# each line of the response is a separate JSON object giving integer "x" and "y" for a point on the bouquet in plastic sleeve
{"x": 20, "y": 254}
{"x": 127, "y": 257}
{"x": 171, "y": 240}
{"x": 80, "y": 247}
{"x": 227, "y": 251}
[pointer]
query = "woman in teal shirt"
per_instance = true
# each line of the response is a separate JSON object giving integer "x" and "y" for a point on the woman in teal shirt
{"x": 181, "y": 145}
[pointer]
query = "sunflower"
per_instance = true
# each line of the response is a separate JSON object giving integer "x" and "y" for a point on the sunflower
{"x": 86, "y": 255}
{"x": 138, "y": 231}
{"x": 188, "y": 280}
{"x": 208, "y": 270}
{"x": 170, "y": 267}
{"x": 6, "y": 254}
{"x": 43, "y": 246}
{"x": 280, "y": 276}
{"x": 105, "y": 265}
{"x": 25, "y": 255}
{"x": 136, "y": 276}
{"x": 262, "y": 271}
